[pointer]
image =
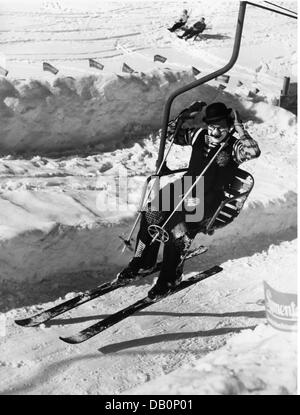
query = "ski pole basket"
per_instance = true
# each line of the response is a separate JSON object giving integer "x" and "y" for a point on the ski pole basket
{"x": 158, "y": 233}
{"x": 236, "y": 194}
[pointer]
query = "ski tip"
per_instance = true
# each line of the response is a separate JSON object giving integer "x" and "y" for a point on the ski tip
{"x": 25, "y": 322}
{"x": 72, "y": 339}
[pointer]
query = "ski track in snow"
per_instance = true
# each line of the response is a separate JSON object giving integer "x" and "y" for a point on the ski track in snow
{"x": 54, "y": 238}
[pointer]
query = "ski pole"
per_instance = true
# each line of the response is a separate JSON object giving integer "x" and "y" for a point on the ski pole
{"x": 142, "y": 205}
{"x": 161, "y": 228}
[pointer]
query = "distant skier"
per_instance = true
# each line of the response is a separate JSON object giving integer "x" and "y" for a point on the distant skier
{"x": 220, "y": 122}
{"x": 181, "y": 21}
{"x": 196, "y": 29}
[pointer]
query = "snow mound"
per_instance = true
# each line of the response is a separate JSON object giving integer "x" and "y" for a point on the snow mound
{"x": 245, "y": 366}
{"x": 67, "y": 113}
{"x": 102, "y": 111}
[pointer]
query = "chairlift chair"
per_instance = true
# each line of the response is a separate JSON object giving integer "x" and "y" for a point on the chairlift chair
{"x": 235, "y": 195}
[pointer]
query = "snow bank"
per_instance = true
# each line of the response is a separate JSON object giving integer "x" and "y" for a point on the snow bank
{"x": 68, "y": 113}
{"x": 255, "y": 362}
{"x": 100, "y": 111}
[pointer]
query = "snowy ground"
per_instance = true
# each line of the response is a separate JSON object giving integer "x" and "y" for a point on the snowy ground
{"x": 66, "y": 138}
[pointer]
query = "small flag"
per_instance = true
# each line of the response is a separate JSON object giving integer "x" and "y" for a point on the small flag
{"x": 195, "y": 71}
{"x": 223, "y": 78}
{"x": 159, "y": 58}
{"x": 95, "y": 64}
{"x": 127, "y": 68}
{"x": 3, "y": 71}
{"x": 258, "y": 69}
{"x": 49, "y": 68}
{"x": 255, "y": 90}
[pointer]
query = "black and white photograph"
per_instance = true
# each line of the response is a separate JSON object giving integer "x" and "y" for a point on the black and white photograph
{"x": 148, "y": 200}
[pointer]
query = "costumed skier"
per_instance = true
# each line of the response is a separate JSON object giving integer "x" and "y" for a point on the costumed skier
{"x": 221, "y": 122}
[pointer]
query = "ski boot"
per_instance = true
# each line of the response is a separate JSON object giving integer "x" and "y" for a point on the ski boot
{"x": 129, "y": 273}
{"x": 163, "y": 288}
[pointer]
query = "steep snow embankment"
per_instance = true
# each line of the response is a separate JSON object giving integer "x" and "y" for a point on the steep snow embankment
{"x": 75, "y": 114}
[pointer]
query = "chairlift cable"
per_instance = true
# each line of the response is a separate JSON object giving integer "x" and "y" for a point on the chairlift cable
{"x": 280, "y": 7}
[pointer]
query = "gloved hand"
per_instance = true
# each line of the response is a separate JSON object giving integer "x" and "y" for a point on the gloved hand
{"x": 194, "y": 107}
{"x": 183, "y": 122}
{"x": 171, "y": 128}
{"x": 246, "y": 148}
{"x": 238, "y": 123}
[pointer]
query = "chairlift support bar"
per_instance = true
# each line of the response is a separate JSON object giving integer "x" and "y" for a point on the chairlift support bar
{"x": 206, "y": 78}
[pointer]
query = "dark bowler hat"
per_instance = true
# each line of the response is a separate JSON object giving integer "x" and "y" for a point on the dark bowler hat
{"x": 216, "y": 112}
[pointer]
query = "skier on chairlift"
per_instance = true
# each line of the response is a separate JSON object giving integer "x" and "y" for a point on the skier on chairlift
{"x": 222, "y": 124}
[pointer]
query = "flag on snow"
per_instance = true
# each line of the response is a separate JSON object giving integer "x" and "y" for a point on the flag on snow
{"x": 221, "y": 87}
{"x": 49, "y": 68}
{"x": 195, "y": 71}
{"x": 95, "y": 64}
{"x": 223, "y": 78}
{"x": 3, "y": 71}
{"x": 159, "y": 58}
{"x": 127, "y": 68}
{"x": 254, "y": 89}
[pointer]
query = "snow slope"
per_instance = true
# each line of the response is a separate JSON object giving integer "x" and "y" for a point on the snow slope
{"x": 171, "y": 334}
{"x": 235, "y": 369}
{"x": 66, "y": 140}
